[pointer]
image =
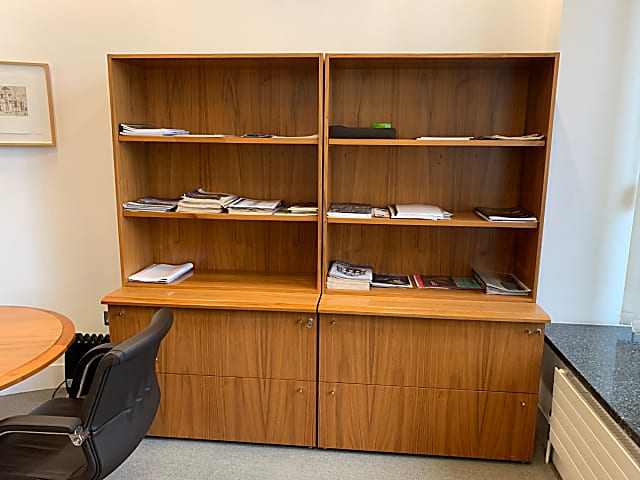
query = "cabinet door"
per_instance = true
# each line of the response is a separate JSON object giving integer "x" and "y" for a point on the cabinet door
{"x": 471, "y": 355}
{"x": 236, "y": 409}
{"x": 459, "y": 423}
{"x": 229, "y": 342}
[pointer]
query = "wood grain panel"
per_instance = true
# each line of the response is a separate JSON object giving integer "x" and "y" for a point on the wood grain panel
{"x": 431, "y": 98}
{"x": 221, "y": 245}
{"x": 237, "y": 409}
{"x": 422, "y": 250}
{"x": 426, "y": 421}
{"x": 229, "y": 343}
{"x": 457, "y": 179}
{"x": 463, "y": 355}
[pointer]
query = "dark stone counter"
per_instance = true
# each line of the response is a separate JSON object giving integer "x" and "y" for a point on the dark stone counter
{"x": 606, "y": 359}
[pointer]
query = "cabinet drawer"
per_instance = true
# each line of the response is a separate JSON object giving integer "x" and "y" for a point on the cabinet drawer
{"x": 228, "y": 342}
{"x": 236, "y": 409}
{"x": 470, "y": 355}
{"x": 426, "y": 421}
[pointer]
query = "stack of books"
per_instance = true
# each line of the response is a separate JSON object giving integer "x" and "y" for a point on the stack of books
{"x": 298, "y": 209}
{"x": 346, "y": 276}
{"x": 498, "y": 283}
{"x": 349, "y": 210}
{"x": 200, "y": 201}
{"x": 141, "y": 130}
{"x": 151, "y": 204}
{"x": 249, "y": 206}
{"x": 419, "y": 212}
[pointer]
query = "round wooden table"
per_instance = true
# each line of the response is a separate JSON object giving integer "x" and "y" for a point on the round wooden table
{"x": 30, "y": 339}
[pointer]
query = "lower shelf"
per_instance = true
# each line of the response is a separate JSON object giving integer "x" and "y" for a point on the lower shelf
{"x": 491, "y": 425}
{"x": 236, "y": 409}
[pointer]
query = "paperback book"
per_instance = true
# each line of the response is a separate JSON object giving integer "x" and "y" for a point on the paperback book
{"x": 511, "y": 214}
{"x": 391, "y": 280}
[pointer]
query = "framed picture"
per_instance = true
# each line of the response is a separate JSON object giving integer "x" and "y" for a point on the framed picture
{"x": 26, "y": 113}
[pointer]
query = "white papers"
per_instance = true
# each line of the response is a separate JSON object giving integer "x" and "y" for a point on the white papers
{"x": 161, "y": 273}
{"x": 148, "y": 130}
{"x": 419, "y": 211}
{"x": 444, "y": 138}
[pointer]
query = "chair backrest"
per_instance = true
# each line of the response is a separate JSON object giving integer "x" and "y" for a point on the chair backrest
{"x": 123, "y": 397}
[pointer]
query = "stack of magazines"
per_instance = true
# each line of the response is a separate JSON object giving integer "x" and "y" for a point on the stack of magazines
{"x": 151, "y": 204}
{"x": 298, "y": 209}
{"x": 201, "y": 201}
{"x": 498, "y": 283}
{"x": 149, "y": 131}
{"x": 248, "y": 206}
{"x": 346, "y": 276}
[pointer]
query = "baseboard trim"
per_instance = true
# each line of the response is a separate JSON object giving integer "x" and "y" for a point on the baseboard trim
{"x": 46, "y": 379}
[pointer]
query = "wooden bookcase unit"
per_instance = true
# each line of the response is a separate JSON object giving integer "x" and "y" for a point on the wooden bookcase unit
{"x": 256, "y": 281}
{"x": 260, "y": 350}
{"x": 417, "y": 370}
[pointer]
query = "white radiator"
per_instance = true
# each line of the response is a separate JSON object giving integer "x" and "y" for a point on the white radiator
{"x": 584, "y": 441}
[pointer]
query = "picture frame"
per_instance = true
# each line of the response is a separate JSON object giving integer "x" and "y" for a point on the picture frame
{"x": 26, "y": 110}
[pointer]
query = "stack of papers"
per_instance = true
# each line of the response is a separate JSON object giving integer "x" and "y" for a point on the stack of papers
{"x": 248, "y": 206}
{"x": 419, "y": 211}
{"x": 151, "y": 204}
{"x": 161, "y": 273}
{"x": 201, "y": 201}
{"x": 149, "y": 131}
{"x": 346, "y": 276}
{"x": 298, "y": 209}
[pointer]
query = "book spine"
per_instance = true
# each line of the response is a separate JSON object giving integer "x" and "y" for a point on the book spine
{"x": 418, "y": 280}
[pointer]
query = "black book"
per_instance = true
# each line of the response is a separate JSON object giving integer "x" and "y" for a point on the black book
{"x": 511, "y": 214}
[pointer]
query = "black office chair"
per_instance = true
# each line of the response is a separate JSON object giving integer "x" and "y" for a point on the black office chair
{"x": 113, "y": 400}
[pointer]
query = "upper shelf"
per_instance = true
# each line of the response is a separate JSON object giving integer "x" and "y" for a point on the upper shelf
{"x": 461, "y": 219}
{"x": 436, "y": 143}
{"x": 222, "y": 216}
{"x": 231, "y": 140}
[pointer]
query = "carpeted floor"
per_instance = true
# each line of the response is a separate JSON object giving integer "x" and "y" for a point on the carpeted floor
{"x": 160, "y": 459}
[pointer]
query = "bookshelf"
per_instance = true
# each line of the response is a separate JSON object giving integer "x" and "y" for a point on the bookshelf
{"x": 390, "y": 397}
{"x": 245, "y": 330}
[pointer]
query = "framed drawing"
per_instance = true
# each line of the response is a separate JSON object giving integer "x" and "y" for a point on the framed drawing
{"x": 26, "y": 113}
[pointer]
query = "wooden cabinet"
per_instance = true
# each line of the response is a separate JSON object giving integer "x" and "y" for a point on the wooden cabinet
{"x": 246, "y": 376}
{"x": 424, "y": 370}
{"x": 400, "y": 370}
{"x": 428, "y": 386}
{"x": 240, "y": 361}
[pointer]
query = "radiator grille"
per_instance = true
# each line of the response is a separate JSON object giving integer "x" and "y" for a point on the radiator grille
{"x": 586, "y": 442}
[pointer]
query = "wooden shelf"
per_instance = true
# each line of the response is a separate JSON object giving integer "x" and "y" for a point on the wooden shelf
{"x": 224, "y": 290}
{"x": 221, "y": 216}
{"x": 432, "y": 303}
{"x": 226, "y": 140}
{"x": 436, "y": 143}
{"x": 464, "y": 219}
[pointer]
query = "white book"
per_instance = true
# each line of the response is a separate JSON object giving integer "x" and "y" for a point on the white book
{"x": 419, "y": 211}
{"x": 161, "y": 273}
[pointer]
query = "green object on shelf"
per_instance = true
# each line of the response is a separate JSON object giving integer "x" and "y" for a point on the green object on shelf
{"x": 380, "y": 125}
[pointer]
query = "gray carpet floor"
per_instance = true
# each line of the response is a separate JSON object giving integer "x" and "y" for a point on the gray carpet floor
{"x": 160, "y": 459}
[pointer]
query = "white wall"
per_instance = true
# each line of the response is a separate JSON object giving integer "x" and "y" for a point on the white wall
{"x": 594, "y": 162}
{"x": 59, "y": 243}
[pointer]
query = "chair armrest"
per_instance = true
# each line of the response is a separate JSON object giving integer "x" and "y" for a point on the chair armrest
{"x": 40, "y": 424}
{"x": 86, "y": 368}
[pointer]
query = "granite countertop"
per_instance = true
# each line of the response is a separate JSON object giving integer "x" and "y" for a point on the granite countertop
{"x": 606, "y": 359}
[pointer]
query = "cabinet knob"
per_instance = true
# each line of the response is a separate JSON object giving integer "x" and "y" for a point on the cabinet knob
{"x": 309, "y": 322}
{"x": 538, "y": 331}
{"x": 523, "y": 404}
{"x": 300, "y": 390}
{"x": 120, "y": 313}
{"x": 332, "y": 322}
{"x": 332, "y": 392}
{"x": 529, "y": 331}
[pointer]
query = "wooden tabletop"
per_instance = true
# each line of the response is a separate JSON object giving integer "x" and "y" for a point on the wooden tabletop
{"x": 30, "y": 339}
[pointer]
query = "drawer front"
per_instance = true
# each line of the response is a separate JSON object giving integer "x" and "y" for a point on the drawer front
{"x": 471, "y": 355}
{"x": 492, "y": 425}
{"x": 236, "y": 409}
{"x": 228, "y": 342}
